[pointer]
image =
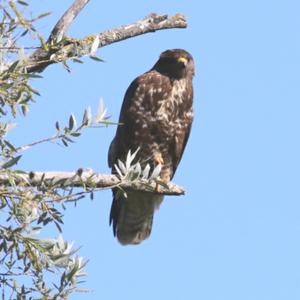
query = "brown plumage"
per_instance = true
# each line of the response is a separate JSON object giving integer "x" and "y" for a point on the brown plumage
{"x": 156, "y": 116}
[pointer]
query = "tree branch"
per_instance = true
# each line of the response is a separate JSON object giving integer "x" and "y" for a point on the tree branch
{"x": 69, "y": 48}
{"x": 65, "y": 21}
{"x": 48, "y": 139}
{"x": 90, "y": 179}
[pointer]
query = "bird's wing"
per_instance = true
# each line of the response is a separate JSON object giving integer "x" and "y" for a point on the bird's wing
{"x": 138, "y": 124}
{"x": 132, "y": 216}
{"x": 180, "y": 142}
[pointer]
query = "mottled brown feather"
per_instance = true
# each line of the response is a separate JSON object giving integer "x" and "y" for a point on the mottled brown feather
{"x": 156, "y": 115}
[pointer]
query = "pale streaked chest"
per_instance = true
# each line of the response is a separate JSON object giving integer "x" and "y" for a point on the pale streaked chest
{"x": 174, "y": 106}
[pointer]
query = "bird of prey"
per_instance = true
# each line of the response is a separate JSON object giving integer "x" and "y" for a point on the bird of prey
{"x": 156, "y": 117}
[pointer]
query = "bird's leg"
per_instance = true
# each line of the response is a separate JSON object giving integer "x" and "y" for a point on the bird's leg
{"x": 157, "y": 157}
{"x": 164, "y": 175}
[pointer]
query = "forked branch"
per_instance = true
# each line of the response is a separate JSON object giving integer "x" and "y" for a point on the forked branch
{"x": 66, "y": 20}
{"x": 70, "y": 48}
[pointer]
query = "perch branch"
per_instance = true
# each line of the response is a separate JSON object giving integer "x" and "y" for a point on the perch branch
{"x": 65, "y": 21}
{"x": 69, "y": 48}
{"x": 89, "y": 179}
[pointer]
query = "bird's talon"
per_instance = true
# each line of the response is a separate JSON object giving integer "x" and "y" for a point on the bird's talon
{"x": 158, "y": 159}
{"x": 157, "y": 185}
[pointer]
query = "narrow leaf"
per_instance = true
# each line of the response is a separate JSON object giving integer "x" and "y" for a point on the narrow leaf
{"x": 87, "y": 117}
{"x": 57, "y": 126}
{"x": 98, "y": 59}
{"x": 122, "y": 166}
{"x": 156, "y": 172}
{"x": 9, "y": 145}
{"x": 72, "y": 122}
{"x": 95, "y": 45}
{"x": 30, "y": 75}
{"x": 64, "y": 142}
{"x": 146, "y": 172}
{"x": 76, "y": 60}
{"x": 11, "y": 162}
{"x": 22, "y": 2}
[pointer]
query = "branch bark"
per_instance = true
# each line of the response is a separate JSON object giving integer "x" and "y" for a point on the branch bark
{"x": 69, "y": 48}
{"x": 89, "y": 179}
{"x": 65, "y": 21}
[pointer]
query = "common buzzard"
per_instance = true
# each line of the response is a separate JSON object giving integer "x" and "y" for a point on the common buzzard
{"x": 156, "y": 116}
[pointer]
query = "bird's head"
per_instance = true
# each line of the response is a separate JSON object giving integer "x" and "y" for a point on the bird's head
{"x": 176, "y": 63}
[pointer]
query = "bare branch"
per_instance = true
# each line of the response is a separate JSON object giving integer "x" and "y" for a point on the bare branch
{"x": 66, "y": 20}
{"x": 70, "y": 48}
{"x": 151, "y": 23}
{"x": 90, "y": 179}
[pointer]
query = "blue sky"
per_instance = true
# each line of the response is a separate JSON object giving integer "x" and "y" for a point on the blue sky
{"x": 236, "y": 233}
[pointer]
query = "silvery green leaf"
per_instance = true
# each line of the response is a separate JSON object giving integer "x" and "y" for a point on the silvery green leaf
{"x": 118, "y": 170}
{"x": 24, "y": 32}
{"x": 146, "y": 172}
{"x": 47, "y": 243}
{"x": 75, "y": 134}
{"x": 25, "y": 109}
{"x": 156, "y": 172}
{"x": 95, "y": 45}
{"x": 87, "y": 117}
{"x": 122, "y": 166}
{"x": 96, "y": 58}
{"x": 66, "y": 66}
{"x": 21, "y": 54}
{"x": 138, "y": 169}
{"x": 134, "y": 154}
{"x": 64, "y": 142}
{"x": 6, "y": 127}
{"x": 57, "y": 126}
{"x": 23, "y": 3}
{"x": 68, "y": 139}
{"x": 9, "y": 145}
{"x": 29, "y": 75}
{"x": 120, "y": 193}
{"x": 128, "y": 175}
{"x": 101, "y": 112}
{"x": 60, "y": 242}
{"x": 134, "y": 175}
{"x": 34, "y": 91}
{"x": 128, "y": 160}
{"x": 73, "y": 268}
{"x": 43, "y": 15}
{"x": 11, "y": 162}
{"x": 130, "y": 157}
{"x": 13, "y": 66}
{"x": 78, "y": 262}
{"x": 72, "y": 122}
{"x": 59, "y": 37}
{"x": 76, "y": 60}
{"x": 61, "y": 261}
{"x": 89, "y": 113}
{"x": 68, "y": 250}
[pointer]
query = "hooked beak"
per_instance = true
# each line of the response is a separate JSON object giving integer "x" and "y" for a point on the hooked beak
{"x": 182, "y": 60}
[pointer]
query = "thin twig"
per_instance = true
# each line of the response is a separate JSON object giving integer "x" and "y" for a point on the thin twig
{"x": 45, "y": 140}
{"x": 18, "y": 48}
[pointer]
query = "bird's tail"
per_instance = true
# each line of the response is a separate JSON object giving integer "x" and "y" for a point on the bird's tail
{"x": 132, "y": 217}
